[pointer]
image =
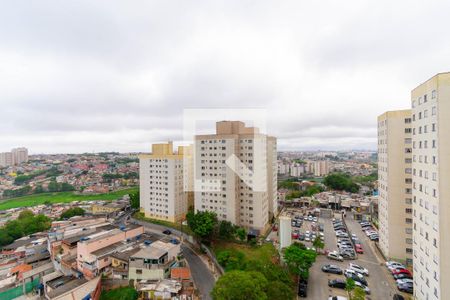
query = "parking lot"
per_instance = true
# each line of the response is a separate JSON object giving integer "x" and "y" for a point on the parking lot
{"x": 380, "y": 282}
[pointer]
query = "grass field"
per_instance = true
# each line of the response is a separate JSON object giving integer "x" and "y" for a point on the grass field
{"x": 264, "y": 253}
{"x": 61, "y": 197}
{"x": 123, "y": 293}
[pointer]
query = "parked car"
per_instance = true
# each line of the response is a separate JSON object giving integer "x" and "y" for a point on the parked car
{"x": 406, "y": 288}
{"x": 337, "y": 298}
{"x": 393, "y": 264}
{"x": 360, "y": 278}
{"x": 405, "y": 280}
{"x": 167, "y": 232}
{"x": 335, "y": 256}
{"x": 359, "y": 269}
{"x": 332, "y": 269}
{"x": 359, "y": 249}
{"x": 398, "y": 297}
{"x": 402, "y": 276}
{"x": 355, "y": 276}
{"x": 363, "y": 287}
{"x": 337, "y": 283}
{"x": 401, "y": 271}
{"x": 302, "y": 288}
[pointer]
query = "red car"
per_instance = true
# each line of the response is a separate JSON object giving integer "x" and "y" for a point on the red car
{"x": 295, "y": 235}
{"x": 401, "y": 271}
{"x": 359, "y": 249}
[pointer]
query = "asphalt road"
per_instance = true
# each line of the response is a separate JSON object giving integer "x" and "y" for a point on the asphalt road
{"x": 203, "y": 278}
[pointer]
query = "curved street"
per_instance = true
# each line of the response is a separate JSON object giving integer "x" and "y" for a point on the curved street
{"x": 201, "y": 274}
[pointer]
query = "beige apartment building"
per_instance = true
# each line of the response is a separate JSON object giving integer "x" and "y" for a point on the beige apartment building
{"x": 235, "y": 172}
{"x": 395, "y": 185}
{"x": 431, "y": 187}
{"x": 164, "y": 194}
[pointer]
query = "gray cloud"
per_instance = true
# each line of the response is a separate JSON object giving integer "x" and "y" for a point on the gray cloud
{"x": 108, "y": 75}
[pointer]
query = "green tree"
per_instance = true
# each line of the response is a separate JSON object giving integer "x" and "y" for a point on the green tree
{"x": 226, "y": 230}
{"x": 318, "y": 243}
{"x": 202, "y": 223}
{"x": 135, "y": 200}
{"x": 358, "y": 294}
{"x": 341, "y": 182}
{"x": 240, "y": 285}
{"x": 241, "y": 233}
{"x": 350, "y": 286}
{"x": 279, "y": 290}
{"x": 25, "y": 214}
{"x": 52, "y": 186}
{"x": 299, "y": 260}
{"x": 71, "y": 212}
{"x": 272, "y": 272}
{"x": 39, "y": 189}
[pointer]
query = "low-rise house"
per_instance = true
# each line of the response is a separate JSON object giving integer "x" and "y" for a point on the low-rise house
{"x": 164, "y": 289}
{"x": 150, "y": 263}
{"x": 93, "y": 251}
{"x": 70, "y": 288}
{"x": 120, "y": 263}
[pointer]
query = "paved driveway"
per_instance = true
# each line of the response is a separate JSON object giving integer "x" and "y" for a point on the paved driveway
{"x": 380, "y": 281}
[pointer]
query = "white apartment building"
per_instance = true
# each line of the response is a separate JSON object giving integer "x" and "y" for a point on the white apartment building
{"x": 431, "y": 187}
{"x": 163, "y": 194}
{"x": 395, "y": 185}
{"x": 19, "y": 155}
{"x": 321, "y": 168}
{"x": 223, "y": 189}
{"x": 15, "y": 157}
{"x": 6, "y": 159}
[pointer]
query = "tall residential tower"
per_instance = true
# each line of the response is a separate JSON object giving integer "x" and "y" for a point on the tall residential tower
{"x": 395, "y": 185}
{"x": 163, "y": 178}
{"x": 431, "y": 187}
{"x": 235, "y": 172}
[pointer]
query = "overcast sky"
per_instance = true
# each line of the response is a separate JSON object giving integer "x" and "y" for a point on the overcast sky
{"x": 82, "y": 76}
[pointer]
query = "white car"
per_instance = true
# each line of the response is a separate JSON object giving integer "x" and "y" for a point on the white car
{"x": 359, "y": 269}
{"x": 310, "y": 218}
{"x": 404, "y": 280}
{"x": 338, "y": 298}
{"x": 315, "y": 219}
{"x": 341, "y": 234}
{"x": 394, "y": 264}
{"x": 335, "y": 256}
{"x": 350, "y": 272}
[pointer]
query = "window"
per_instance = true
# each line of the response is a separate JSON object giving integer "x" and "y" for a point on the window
{"x": 433, "y": 94}
{"x": 138, "y": 271}
{"x": 433, "y": 111}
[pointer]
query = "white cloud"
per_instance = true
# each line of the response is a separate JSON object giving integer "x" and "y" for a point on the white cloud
{"x": 108, "y": 75}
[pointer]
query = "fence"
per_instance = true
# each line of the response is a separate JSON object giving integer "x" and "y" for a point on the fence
{"x": 18, "y": 291}
{"x": 212, "y": 257}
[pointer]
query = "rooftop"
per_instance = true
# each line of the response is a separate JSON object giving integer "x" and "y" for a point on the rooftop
{"x": 67, "y": 286}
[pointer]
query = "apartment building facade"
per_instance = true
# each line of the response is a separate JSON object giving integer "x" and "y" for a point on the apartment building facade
{"x": 228, "y": 165}
{"x": 164, "y": 194}
{"x": 431, "y": 187}
{"x": 395, "y": 185}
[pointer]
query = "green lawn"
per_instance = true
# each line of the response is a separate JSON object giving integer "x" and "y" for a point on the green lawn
{"x": 264, "y": 253}
{"x": 61, "y": 197}
{"x": 123, "y": 293}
